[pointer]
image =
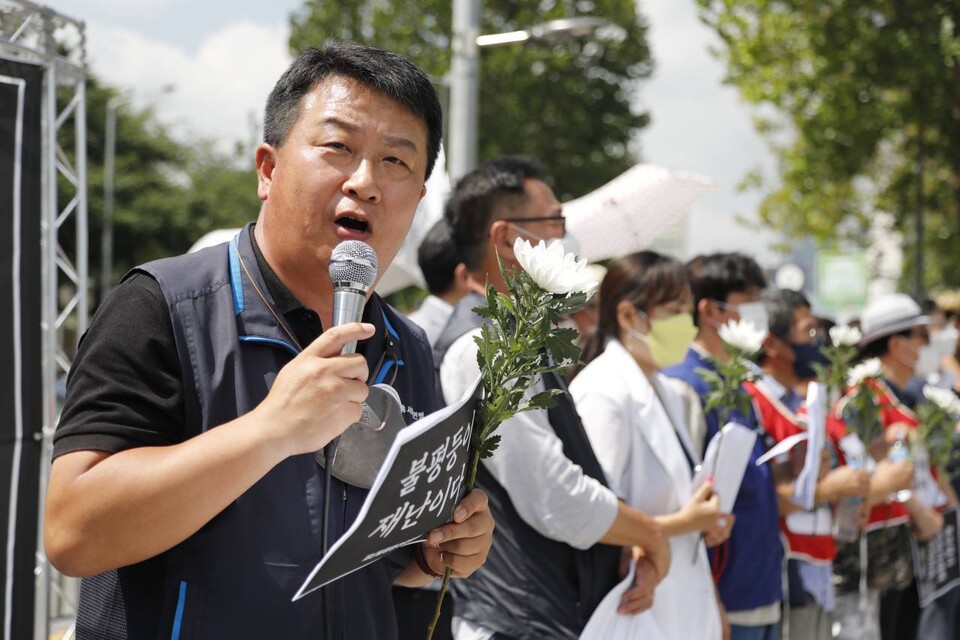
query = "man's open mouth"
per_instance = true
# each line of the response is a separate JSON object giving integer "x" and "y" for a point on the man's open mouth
{"x": 354, "y": 224}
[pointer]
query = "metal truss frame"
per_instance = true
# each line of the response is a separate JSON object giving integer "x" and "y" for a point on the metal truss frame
{"x": 37, "y": 34}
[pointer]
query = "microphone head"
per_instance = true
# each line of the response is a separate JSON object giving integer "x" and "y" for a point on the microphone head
{"x": 353, "y": 264}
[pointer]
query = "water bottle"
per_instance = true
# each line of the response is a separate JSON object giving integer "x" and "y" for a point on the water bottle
{"x": 900, "y": 450}
{"x": 846, "y": 517}
{"x": 847, "y": 514}
{"x": 924, "y": 486}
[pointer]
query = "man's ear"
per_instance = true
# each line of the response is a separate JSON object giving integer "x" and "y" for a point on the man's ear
{"x": 501, "y": 240}
{"x": 772, "y": 347}
{"x": 266, "y": 162}
{"x": 703, "y": 309}
{"x": 461, "y": 278}
{"x": 895, "y": 342}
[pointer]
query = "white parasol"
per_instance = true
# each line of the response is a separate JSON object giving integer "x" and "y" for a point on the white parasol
{"x": 632, "y": 210}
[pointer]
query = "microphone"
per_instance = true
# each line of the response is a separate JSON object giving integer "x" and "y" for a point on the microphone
{"x": 353, "y": 270}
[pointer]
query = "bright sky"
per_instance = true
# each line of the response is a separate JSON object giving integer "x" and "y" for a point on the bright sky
{"x": 223, "y": 58}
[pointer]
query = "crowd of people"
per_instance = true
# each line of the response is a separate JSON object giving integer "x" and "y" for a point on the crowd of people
{"x": 768, "y": 569}
{"x": 185, "y": 488}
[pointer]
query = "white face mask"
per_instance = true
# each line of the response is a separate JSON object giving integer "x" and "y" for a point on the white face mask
{"x": 569, "y": 243}
{"x": 928, "y": 361}
{"x": 945, "y": 340}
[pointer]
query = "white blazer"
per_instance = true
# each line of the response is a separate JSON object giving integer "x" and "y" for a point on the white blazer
{"x": 633, "y": 436}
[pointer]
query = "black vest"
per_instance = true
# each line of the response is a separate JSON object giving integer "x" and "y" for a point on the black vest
{"x": 532, "y": 587}
{"x": 236, "y": 576}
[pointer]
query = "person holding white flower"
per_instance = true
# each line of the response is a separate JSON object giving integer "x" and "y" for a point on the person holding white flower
{"x": 788, "y": 354}
{"x": 635, "y": 422}
{"x": 895, "y": 334}
{"x": 560, "y": 528}
{"x": 726, "y": 287}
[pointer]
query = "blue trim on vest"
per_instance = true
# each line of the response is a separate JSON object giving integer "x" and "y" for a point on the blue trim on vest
{"x": 236, "y": 284}
{"x": 178, "y": 618}
{"x": 386, "y": 366}
{"x": 279, "y": 343}
{"x": 389, "y": 326}
{"x": 384, "y": 370}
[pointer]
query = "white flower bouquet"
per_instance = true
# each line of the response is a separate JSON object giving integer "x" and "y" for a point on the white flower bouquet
{"x": 521, "y": 341}
{"x": 840, "y": 353}
{"x": 939, "y": 415}
{"x": 741, "y": 339}
{"x": 863, "y": 416}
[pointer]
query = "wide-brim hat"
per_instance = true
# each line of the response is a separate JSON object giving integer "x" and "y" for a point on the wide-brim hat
{"x": 890, "y": 315}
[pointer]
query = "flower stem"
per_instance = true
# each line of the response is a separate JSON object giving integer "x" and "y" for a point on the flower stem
{"x": 439, "y": 605}
{"x": 471, "y": 479}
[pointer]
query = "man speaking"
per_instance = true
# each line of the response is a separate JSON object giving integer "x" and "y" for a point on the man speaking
{"x": 184, "y": 486}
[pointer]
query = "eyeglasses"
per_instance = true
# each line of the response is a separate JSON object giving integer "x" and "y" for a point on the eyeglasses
{"x": 562, "y": 221}
{"x": 727, "y": 306}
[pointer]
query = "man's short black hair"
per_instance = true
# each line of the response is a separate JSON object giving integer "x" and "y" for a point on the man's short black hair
{"x": 438, "y": 258}
{"x": 780, "y": 305}
{"x": 387, "y": 73}
{"x": 479, "y": 195}
{"x": 716, "y": 276}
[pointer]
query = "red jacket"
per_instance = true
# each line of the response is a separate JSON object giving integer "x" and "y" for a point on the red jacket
{"x": 892, "y": 411}
{"x": 809, "y": 534}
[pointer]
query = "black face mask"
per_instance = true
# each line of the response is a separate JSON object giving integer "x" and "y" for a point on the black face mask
{"x": 806, "y": 355}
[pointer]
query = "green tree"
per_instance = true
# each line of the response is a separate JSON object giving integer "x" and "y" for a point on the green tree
{"x": 567, "y": 103}
{"x": 166, "y": 194}
{"x": 855, "y": 96}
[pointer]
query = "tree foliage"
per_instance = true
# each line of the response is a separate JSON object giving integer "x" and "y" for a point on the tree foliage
{"x": 166, "y": 194}
{"x": 567, "y": 103}
{"x": 856, "y": 95}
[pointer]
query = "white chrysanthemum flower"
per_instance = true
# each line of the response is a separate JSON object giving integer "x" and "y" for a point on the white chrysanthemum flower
{"x": 867, "y": 369}
{"x": 946, "y": 399}
{"x": 552, "y": 269}
{"x": 844, "y": 335}
{"x": 742, "y": 335}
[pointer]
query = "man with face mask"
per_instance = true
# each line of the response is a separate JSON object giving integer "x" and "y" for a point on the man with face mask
{"x": 949, "y": 302}
{"x": 727, "y": 286}
{"x": 930, "y": 369}
{"x": 787, "y": 359}
{"x": 895, "y": 331}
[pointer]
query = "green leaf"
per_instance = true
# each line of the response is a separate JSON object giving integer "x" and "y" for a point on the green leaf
{"x": 864, "y": 93}
{"x": 543, "y": 400}
{"x": 489, "y": 446}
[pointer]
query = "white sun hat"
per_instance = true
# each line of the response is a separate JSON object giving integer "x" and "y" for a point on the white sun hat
{"x": 888, "y": 315}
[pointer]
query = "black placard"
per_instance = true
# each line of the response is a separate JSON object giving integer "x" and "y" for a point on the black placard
{"x": 421, "y": 482}
{"x": 935, "y": 561}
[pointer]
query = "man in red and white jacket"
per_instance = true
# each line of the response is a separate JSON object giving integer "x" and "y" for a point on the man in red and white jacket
{"x": 788, "y": 353}
{"x": 895, "y": 332}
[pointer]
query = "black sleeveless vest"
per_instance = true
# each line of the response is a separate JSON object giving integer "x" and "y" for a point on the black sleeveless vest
{"x": 532, "y": 587}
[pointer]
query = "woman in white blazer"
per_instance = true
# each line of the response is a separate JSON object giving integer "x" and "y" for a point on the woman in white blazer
{"x": 635, "y": 423}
